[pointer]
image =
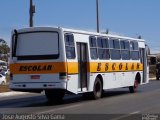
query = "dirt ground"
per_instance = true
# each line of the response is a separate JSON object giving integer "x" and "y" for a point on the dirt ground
{"x": 4, "y": 88}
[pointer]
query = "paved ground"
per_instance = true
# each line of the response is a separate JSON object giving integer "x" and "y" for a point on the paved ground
{"x": 118, "y": 102}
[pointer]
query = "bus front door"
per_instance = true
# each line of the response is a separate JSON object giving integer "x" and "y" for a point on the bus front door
{"x": 145, "y": 65}
{"x": 82, "y": 65}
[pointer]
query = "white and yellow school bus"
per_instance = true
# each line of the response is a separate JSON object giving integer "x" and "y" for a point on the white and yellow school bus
{"x": 59, "y": 60}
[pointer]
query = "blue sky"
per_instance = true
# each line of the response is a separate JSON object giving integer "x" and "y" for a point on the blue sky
{"x": 126, "y": 17}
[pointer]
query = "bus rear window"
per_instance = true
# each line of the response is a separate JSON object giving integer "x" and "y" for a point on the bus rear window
{"x": 37, "y": 46}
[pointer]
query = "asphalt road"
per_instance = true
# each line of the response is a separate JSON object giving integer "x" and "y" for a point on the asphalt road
{"x": 117, "y": 102}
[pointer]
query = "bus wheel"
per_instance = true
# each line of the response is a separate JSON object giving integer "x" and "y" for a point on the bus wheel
{"x": 157, "y": 78}
{"x": 134, "y": 88}
{"x": 54, "y": 96}
{"x": 97, "y": 90}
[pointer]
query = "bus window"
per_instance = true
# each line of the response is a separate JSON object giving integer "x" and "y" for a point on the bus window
{"x": 135, "y": 55}
{"x": 115, "y": 49}
{"x": 125, "y": 53}
{"x": 70, "y": 47}
{"x": 93, "y": 47}
{"x": 134, "y": 50}
{"x": 103, "y": 48}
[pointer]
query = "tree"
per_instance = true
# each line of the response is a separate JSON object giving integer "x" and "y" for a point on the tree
{"x": 4, "y": 50}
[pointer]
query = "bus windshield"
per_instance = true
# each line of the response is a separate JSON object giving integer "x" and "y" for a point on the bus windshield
{"x": 36, "y": 45}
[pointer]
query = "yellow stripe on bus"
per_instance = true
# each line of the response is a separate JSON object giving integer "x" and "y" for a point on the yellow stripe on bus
{"x": 38, "y": 68}
{"x": 72, "y": 67}
{"x": 114, "y": 67}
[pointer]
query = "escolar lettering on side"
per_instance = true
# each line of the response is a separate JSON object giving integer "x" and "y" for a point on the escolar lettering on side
{"x": 36, "y": 68}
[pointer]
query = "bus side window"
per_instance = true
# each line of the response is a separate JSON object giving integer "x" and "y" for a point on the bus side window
{"x": 70, "y": 46}
{"x": 103, "y": 48}
{"x": 125, "y": 49}
{"x": 93, "y": 47}
{"x": 114, "y": 49}
{"x": 134, "y": 50}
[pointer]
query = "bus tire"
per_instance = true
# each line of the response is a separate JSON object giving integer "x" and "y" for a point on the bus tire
{"x": 55, "y": 96}
{"x": 157, "y": 78}
{"x": 87, "y": 95}
{"x": 134, "y": 88}
{"x": 97, "y": 89}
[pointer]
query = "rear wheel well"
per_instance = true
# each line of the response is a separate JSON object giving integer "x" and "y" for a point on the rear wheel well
{"x": 137, "y": 81}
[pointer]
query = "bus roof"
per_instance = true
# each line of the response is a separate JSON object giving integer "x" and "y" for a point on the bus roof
{"x": 50, "y": 28}
{"x": 100, "y": 34}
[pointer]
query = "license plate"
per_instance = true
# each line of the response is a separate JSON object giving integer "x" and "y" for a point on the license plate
{"x": 35, "y": 77}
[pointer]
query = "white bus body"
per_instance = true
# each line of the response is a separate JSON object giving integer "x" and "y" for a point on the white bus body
{"x": 59, "y": 60}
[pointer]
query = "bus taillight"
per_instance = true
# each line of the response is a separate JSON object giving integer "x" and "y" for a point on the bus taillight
{"x": 11, "y": 76}
{"x": 63, "y": 75}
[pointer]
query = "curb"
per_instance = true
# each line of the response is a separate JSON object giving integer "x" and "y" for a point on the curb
{"x": 152, "y": 78}
{"x": 12, "y": 93}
